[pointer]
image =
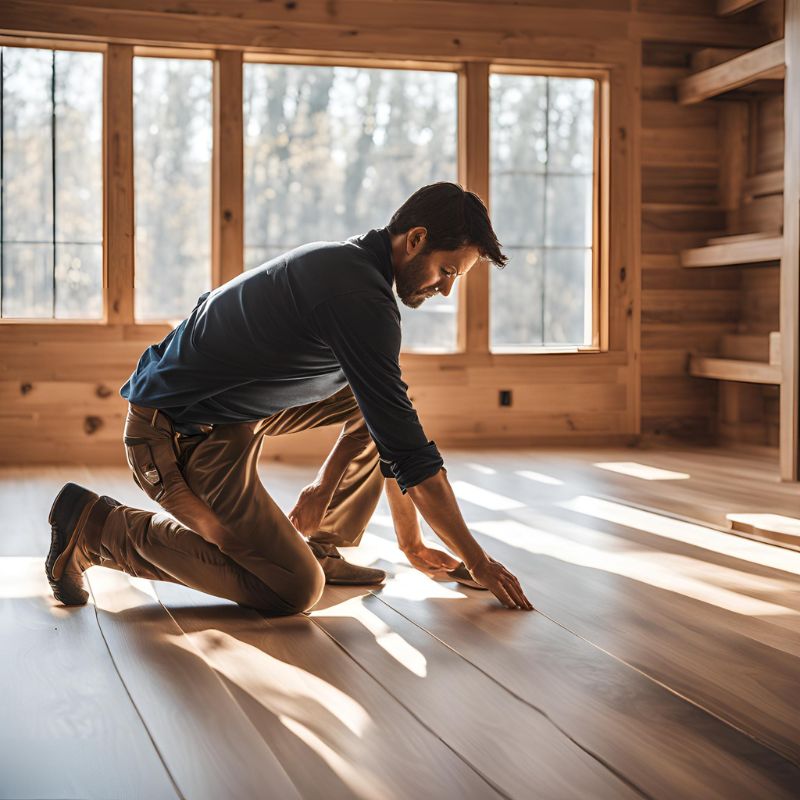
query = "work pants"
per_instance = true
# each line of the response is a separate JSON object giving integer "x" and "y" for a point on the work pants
{"x": 223, "y": 533}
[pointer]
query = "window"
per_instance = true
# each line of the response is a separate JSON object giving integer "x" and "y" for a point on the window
{"x": 172, "y": 173}
{"x": 51, "y": 203}
{"x": 331, "y": 152}
{"x": 542, "y": 179}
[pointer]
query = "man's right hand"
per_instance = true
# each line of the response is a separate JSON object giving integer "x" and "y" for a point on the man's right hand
{"x": 501, "y": 583}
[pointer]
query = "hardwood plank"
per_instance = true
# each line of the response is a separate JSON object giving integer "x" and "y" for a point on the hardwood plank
{"x": 337, "y": 732}
{"x": 731, "y": 369}
{"x": 747, "y": 251}
{"x": 759, "y": 64}
{"x": 68, "y": 727}
{"x": 790, "y": 262}
{"x": 209, "y": 746}
{"x": 663, "y": 745}
{"x": 501, "y": 736}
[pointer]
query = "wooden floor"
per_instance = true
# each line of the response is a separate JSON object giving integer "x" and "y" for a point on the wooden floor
{"x": 663, "y": 660}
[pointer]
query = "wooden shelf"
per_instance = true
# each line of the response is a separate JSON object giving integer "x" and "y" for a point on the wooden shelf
{"x": 765, "y": 62}
{"x": 727, "y": 7}
{"x": 732, "y": 369}
{"x": 727, "y": 251}
{"x": 763, "y": 184}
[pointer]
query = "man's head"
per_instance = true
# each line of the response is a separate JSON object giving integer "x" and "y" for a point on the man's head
{"x": 438, "y": 234}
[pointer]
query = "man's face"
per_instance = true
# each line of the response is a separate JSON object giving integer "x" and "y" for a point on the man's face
{"x": 426, "y": 274}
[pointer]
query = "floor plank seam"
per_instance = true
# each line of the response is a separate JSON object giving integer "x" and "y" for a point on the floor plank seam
{"x": 433, "y": 733}
{"x": 219, "y": 680}
{"x": 785, "y": 756}
{"x": 174, "y": 783}
{"x": 594, "y": 756}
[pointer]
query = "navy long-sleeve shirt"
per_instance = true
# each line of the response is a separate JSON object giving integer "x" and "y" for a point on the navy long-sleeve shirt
{"x": 294, "y": 331}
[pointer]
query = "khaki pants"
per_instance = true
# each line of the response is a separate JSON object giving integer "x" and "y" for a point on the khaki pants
{"x": 209, "y": 484}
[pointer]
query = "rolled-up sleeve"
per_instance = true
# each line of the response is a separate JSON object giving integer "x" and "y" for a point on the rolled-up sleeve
{"x": 363, "y": 331}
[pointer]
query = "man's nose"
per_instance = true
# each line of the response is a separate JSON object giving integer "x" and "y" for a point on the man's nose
{"x": 446, "y": 285}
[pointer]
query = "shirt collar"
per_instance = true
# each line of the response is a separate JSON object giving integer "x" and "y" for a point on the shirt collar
{"x": 379, "y": 243}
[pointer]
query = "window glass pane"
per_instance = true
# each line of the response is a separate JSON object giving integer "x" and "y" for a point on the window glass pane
{"x": 52, "y": 129}
{"x": 331, "y": 152}
{"x": 541, "y": 192}
{"x": 569, "y": 211}
{"x": 567, "y": 295}
{"x": 172, "y": 168}
{"x": 518, "y": 291}
{"x": 79, "y": 184}
{"x": 27, "y": 280}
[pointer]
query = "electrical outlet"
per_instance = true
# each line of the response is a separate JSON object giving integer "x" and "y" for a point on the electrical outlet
{"x": 505, "y": 397}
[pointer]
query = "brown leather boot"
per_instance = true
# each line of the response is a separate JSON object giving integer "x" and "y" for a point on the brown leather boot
{"x": 69, "y": 556}
{"x": 339, "y": 571}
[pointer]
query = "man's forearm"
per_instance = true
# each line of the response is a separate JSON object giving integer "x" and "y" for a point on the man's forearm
{"x": 436, "y": 502}
{"x": 404, "y": 516}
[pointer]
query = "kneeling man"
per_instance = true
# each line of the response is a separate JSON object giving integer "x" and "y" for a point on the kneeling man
{"x": 310, "y": 338}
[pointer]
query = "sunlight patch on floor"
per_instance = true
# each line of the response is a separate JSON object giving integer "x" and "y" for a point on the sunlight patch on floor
{"x": 647, "y": 473}
{"x": 483, "y": 497}
{"x": 482, "y": 468}
{"x": 390, "y": 641}
{"x": 539, "y": 477}
{"x": 660, "y": 570}
{"x": 283, "y": 688}
{"x": 362, "y": 782}
{"x": 687, "y": 532}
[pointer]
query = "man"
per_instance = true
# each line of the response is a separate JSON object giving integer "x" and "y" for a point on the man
{"x": 310, "y": 338}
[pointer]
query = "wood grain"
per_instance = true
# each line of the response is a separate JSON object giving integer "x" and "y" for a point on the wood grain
{"x": 664, "y": 746}
{"x": 68, "y": 727}
{"x": 209, "y": 746}
{"x": 337, "y": 732}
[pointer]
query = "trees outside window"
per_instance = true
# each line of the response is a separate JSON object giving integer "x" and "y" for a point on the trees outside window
{"x": 172, "y": 177}
{"x": 542, "y": 143}
{"x": 51, "y": 165}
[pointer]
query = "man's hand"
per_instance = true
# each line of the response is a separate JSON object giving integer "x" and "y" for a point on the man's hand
{"x": 429, "y": 560}
{"x": 309, "y": 509}
{"x": 501, "y": 583}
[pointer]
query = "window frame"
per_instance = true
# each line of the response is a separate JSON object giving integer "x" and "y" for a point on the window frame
{"x": 600, "y": 181}
{"x": 55, "y": 44}
{"x": 227, "y": 206}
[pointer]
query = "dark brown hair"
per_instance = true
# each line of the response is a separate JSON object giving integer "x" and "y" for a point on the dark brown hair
{"x": 453, "y": 218}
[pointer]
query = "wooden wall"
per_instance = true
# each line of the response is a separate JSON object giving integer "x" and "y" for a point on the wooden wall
{"x": 691, "y": 191}
{"x": 59, "y": 383}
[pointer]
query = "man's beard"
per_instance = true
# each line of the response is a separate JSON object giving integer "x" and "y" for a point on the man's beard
{"x": 408, "y": 283}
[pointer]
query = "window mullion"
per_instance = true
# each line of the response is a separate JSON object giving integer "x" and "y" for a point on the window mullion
{"x": 227, "y": 207}
{"x": 473, "y": 170}
{"x": 118, "y": 230}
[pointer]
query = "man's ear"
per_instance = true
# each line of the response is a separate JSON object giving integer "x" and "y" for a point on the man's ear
{"x": 415, "y": 240}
